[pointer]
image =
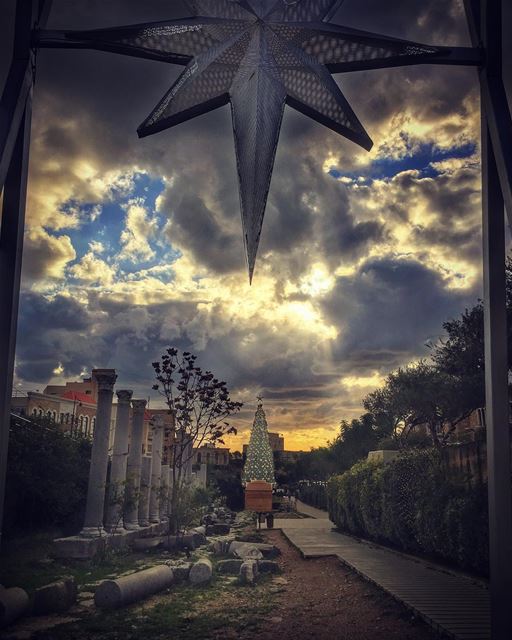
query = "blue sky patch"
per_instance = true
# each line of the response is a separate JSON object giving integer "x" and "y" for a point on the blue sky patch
{"x": 387, "y": 168}
{"x": 107, "y": 228}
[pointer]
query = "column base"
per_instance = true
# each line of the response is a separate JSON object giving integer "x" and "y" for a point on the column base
{"x": 115, "y": 529}
{"x": 93, "y": 532}
{"x": 144, "y": 523}
{"x": 132, "y": 526}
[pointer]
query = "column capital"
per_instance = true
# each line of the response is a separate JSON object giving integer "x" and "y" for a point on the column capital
{"x": 139, "y": 405}
{"x": 158, "y": 422}
{"x": 105, "y": 379}
{"x": 124, "y": 396}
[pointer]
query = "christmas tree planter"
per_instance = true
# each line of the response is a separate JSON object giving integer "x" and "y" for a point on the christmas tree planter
{"x": 258, "y": 475}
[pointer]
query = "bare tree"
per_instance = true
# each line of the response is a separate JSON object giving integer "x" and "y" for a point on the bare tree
{"x": 199, "y": 405}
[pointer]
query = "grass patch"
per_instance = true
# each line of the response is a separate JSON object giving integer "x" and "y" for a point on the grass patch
{"x": 27, "y": 563}
{"x": 184, "y": 613}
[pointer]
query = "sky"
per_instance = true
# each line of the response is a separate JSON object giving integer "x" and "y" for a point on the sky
{"x": 133, "y": 245}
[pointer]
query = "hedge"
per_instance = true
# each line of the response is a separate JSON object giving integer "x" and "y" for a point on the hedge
{"x": 413, "y": 503}
{"x": 314, "y": 494}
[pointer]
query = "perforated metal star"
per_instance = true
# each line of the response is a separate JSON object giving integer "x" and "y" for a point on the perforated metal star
{"x": 258, "y": 55}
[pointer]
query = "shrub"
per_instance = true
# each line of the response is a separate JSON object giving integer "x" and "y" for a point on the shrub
{"x": 47, "y": 475}
{"x": 415, "y": 504}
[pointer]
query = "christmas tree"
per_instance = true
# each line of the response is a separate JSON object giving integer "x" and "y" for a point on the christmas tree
{"x": 260, "y": 459}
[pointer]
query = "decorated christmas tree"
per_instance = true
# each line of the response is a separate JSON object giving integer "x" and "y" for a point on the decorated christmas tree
{"x": 260, "y": 459}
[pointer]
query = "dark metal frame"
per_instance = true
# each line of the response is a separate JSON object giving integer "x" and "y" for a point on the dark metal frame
{"x": 485, "y": 23}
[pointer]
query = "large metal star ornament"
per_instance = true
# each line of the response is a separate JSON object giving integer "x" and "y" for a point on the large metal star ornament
{"x": 257, "y": 55}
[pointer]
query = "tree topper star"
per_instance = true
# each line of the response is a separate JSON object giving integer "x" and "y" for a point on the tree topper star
{"x": 258, "y": 55}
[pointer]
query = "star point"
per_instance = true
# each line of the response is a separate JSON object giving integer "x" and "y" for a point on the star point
{"x": 257, "y": 55}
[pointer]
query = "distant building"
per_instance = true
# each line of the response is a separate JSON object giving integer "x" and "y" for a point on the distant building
{"x": 209, "y": 453}
{"x": 289, "y": 456}
{"x": 277, "y": 446}
{"x": 73, "y": 407}
{"x": 276, "y": 441}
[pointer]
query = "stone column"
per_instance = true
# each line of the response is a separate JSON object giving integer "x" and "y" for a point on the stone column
{"x": 164, "y": 504}
{"x": 185, "y": 451}
{"x": 169, "y": 494}
{"x": 189, "y": 451}
{"x": 93, "y": 524}
{"x": 145, "y": 489}
{"x": 119, "y": 461}
{"x": 203, "y": 475}
{"x": 131, "y": 519}
{"x": 156, "y": 469}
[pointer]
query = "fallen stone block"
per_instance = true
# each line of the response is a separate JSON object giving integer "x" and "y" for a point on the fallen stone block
{"x": 186, "y": 542}
{"x": 248, "y": 572}
{"x": 201, "y": 529}
{"x": 268, "y": 551}
{"x": 112, "y": 594}
{"x": 219, "y": 529}
{"x": 268, "y": 566}
{"x": 209, "y": 518}
{"x": 169, "y": 542}
{"x": 230, "y": 566}
{"x": 181, "y": 571}
{"x": 198, "y": 538}
{"x": 245, "y": 550}
{"x": 219, "y": 547}
{"x": 56, "y": 597}
{"x": 201, "y": 572}
{"x": 216, "y": 548}
{"x": 146, "y": 544}
{"x": 14, "y": 603}
{"x": 78, "y": 547}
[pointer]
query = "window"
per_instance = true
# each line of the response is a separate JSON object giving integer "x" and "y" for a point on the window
{"x": 86, "y": 425}
{"x": 199, "y": 458}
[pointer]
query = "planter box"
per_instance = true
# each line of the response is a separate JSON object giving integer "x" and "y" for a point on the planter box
{"x": 258, "y": 497}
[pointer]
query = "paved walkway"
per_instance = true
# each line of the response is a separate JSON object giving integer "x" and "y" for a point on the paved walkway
{"x": 451, "y": 603}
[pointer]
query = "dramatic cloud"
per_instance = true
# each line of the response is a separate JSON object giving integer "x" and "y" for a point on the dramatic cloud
{"x": 132, "y": 245}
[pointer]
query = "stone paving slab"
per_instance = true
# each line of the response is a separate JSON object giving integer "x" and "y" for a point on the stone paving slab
{"x": 451, "y": 603}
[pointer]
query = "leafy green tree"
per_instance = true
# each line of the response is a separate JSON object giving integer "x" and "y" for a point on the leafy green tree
{"x": 356, "y": 439}
{"x": 47, "y": 475}
{"x": 421, "y": 395}
{"x": 228, "y": 482}
{"x": 461, "y": 353}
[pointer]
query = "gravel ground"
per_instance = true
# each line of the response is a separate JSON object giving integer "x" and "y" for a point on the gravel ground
{"x": 322, "y": 600}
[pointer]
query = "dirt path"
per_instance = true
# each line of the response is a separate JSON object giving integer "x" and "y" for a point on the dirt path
{"x": 322, "y": 600}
